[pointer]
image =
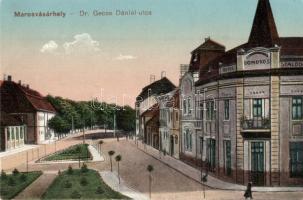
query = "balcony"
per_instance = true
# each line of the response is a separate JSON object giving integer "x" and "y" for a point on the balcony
{"x": 256, "y": 123}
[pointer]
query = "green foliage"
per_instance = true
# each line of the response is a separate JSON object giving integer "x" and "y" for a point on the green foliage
{"x": 11, "y": 181}
{"x": 14, "y": 184}
{"x": 126, "y": 119}
{"x": 3, "y": 175}
{"x": 15, "y": 172}
{"x": 23, "y": 177}
{"x": 67, "y": 184}
{"x": 70, "y": 170}
{"x": 71, "y": 153}
{"x": 87, "y": 113}
{"x": 111, "y": 153}
{"x": 95, "y": 189}
{"x": 75, "y": 195}
{"x": 83, "y": 181}
{"x": 150, "y": 168}
{"x": 99, "y": 190}
{"x": 84, "y": 168}
{"x": 118, "y": 158}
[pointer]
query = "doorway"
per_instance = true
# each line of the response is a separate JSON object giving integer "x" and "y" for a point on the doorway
{"x": 257, "y": 163}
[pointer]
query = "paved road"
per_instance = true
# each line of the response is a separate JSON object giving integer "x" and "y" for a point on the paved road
{"x": 168, "y": 184}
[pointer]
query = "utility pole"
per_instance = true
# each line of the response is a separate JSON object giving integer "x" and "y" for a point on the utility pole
{"x": 114, "y": 123}
{"x": 73, "y": 124}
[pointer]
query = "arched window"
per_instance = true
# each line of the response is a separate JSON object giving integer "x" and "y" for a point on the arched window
{"x": 188, "y": 140}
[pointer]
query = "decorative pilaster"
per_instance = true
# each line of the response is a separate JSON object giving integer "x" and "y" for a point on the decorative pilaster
{"x": 239, "y": 138}
{"x": 275, "y": 130}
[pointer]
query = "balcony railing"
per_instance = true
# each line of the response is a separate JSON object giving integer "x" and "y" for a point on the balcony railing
{"x": 255, "y": 123}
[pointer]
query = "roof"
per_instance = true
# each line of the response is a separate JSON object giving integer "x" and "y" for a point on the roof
{"x": 161, "y": 86}
{"x": 210, "y": 44}
{"x": 291, "y": 46}
{"x": 263, "y": 34}
{"x": 18, "y": 98}
{"x": 10, "y": 120}
{"x": 151, "y": 111}
{"x": 264, "y": 31}
{"x": 206, "y": 52}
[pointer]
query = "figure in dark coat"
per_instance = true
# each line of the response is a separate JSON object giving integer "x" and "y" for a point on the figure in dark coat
{"x": 248, "y": 192}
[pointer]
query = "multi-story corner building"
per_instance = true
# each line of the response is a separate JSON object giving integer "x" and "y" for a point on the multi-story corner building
{"x": 147, "y": 100}
{"x": 31, "y": 107}
{"x": 244, "y": 116}
{"x": 169, "y": 123}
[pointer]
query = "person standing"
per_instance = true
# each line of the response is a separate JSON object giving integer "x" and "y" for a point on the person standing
{"x": 248, "y": 192}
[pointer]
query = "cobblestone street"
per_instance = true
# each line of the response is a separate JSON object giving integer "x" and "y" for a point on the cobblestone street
{"x": 168, "y": 184}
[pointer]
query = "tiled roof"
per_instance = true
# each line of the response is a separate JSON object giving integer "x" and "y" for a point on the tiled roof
{"x": 18, "y": 98}
{"x": 210, "y": 44}
{"x": 9, "y": 120}
{"x": 161, "y": 86}
{"x": 264, "y": 31}
{"x": 291, "y": 46}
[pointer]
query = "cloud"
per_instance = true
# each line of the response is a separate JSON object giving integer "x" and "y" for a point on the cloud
{"x": 49, "y": 47}
{"x": 125, "y": 57}
{"x": 83, "y": 43}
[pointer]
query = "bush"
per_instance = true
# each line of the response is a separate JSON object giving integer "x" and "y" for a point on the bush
{"x": 4, "y": 191}
{"x": 75, "y": 195}
{"x": 3, "y": 175}
{"x": 11, "y": 181}
{"x": 67, "y": 184}
{"x": 84, "y": 168}
{"x": 83, "y": 181}
{"x": 23, "y": 177}
{"x": 99, "y": 190}
{"x": 70, "y": 170}
{"x": 15, "y": 172}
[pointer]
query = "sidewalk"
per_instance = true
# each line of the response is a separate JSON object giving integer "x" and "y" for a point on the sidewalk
{"x": 38, "y": 187}
{"x": 111, "y": 179}
{"x": 212, "y": 182}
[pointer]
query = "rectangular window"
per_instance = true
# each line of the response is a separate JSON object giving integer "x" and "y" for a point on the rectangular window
{"x": 226, "y": 110}
{"x": 257, "y": 108}
{"x": 227, "y": 157}
{"x": 296, "y": 159}
{"x": 184, "y": 107}
{"x": 297, "y": 108}
{"x": 189, "y": 106}
{"x": 211, "y": 154}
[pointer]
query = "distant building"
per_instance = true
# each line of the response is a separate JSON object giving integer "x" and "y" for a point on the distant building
{"x": 146, "y": 100}
{"x": 169, "y": 123}
{"x": 151, "y": 124}
{"x": 12, "y": 132}
{"x": 31, "y": 107}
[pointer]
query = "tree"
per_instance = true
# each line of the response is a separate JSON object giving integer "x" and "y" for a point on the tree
{"x": 118, "y": 158}
{"x": 100, "y": 144}
{"x": 150, "y": 168}
{"x": 59, "y": 125}
{"x": 126, "y": 118}
{"x": 111, "y": 153}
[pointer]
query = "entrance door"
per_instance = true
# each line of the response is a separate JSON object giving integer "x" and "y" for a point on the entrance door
{"x": 257, "y": 163}
{"x": 172, "y": 147}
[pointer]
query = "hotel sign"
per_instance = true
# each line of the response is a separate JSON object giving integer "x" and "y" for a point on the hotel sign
{"x": 292, "y": 64}
{"x": 257, "y": 60}
{"x": 228, "y": 69}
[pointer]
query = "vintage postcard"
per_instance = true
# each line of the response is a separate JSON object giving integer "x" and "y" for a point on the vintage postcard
{"x": 151, "y": 99}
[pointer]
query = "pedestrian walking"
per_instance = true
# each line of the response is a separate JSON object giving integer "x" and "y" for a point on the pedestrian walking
{"x": 248, "y": 192}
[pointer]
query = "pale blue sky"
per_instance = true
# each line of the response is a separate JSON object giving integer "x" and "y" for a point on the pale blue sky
{"x": 152, "y": 43}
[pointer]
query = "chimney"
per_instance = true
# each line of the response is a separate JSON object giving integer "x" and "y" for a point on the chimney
{"x": 163, "y": 74}
{"x": 152, "y": 78}
{"x": 208, "y": 38}
{"x": 19, "y": 82}
{"x": 27, "y": 86}
{"x": 9, "y": 78}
